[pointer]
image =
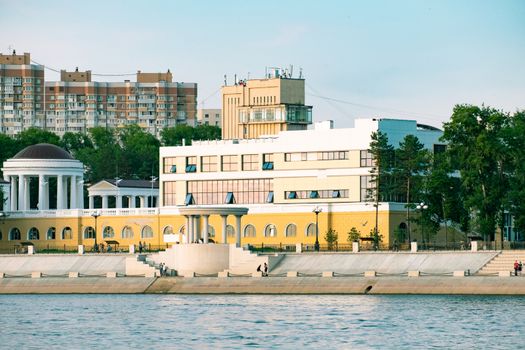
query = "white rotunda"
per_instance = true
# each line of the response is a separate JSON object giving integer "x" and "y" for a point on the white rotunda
{"x": 44, "y": 162}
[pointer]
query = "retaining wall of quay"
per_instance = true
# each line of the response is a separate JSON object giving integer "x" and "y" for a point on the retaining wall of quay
{"x": 475, "y": 285}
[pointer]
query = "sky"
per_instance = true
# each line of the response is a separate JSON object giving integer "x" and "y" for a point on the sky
{"x": 360, "y": 59}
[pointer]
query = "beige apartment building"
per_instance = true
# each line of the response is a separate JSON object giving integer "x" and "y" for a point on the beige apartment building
{"x": 257, "y": 107}
{"x": 76, "y": 103}
{"x": 153, "y": 102}
{"x": 209, "y": 116}
{"x": 21, "y": 93}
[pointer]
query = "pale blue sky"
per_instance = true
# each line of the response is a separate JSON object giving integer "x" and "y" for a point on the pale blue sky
{"x": 405, "y": 59}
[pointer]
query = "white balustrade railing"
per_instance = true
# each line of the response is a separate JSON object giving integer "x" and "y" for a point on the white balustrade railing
{"x": 81, "y": 212}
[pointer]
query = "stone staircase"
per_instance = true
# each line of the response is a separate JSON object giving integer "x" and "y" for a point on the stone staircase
{"x": 504, "y": 261}
{"x": 137, "y": 265}
{"x": 244, "y": 262}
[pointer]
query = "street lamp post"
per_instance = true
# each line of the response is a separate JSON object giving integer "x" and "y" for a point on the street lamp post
{"x": 95, "y": 214}
{"x": 422, "y": 206}
{"x": 317, "y": 210}
{"x": 153, "y": 179}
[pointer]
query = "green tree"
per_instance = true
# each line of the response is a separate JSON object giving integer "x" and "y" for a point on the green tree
{"x": 174, "y": 136}
{"x": 8, "y": 148}
{"x": 207, "y": 132}
{"x": 514, "y": 137}
{"x": 33, "y": 136}
{"x": 477, "y": 149}
{"x": 72, "y": 142}
{"x": 381, "y": 188}
{"x": 377, "y": 238}
{"x": 412, "y": 161}
{"x": 331, "y": 238}
{"x": 353, "y": 235}
{"x": 140, "y": 153}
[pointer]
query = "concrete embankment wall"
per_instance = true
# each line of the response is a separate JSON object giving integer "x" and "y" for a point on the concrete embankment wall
{"x": 271, "y": 285}
{"x": 385, "y": 263}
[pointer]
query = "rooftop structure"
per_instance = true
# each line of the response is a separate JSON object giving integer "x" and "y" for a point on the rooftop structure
{"x": 251, "y": 108}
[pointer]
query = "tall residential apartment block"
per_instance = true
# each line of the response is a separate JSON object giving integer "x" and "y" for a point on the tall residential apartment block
{"x": 154, "y": 102}
{"x": 21, "y": 93}
{"x": 76, "y": 103}
{"x": 267, "y": 106}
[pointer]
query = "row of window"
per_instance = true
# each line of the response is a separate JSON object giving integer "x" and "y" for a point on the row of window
{"x": 246, "y": 191}
{"x": 313, "y": 194}
{"x": 312, "y": 156}
{"x": 33, "y": 234}
{"x": 249, "y": 162}
{"x": 249, "y": 230}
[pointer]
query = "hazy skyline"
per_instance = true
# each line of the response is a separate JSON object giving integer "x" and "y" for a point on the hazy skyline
{"x": 402, "y": 59}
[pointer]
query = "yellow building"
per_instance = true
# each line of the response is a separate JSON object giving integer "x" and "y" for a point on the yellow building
{"x": 257, "y": 107}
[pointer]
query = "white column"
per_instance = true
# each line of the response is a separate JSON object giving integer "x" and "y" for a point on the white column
{"x": 73, "y": 189}
{"x": 224, "y": 224}
{"x": 132, "y": 200}
{"x": 238, "y": 230}
{"x": 7, "y": 196}
{"x": 142, "y": 202}
{"x": 46, "y": 193}
{"x": 118, "y": 200}
{"x": 27, "y": 193}
{"x": 80, "y": 194}
{"x": 187, "y": 230}
{"x": 196, "y": 228}
{"x": 21, "y": 192}
{"x": 41, "y": 192}
{"x": 91, "y": 202}
{"x": 60, "y": 192}
{"x": 205, "y": 228}
{"x": 13, "y": 193}
{"x": 104, "y": 202}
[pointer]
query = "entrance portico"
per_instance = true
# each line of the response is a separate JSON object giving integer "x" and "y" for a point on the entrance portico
{"x": 194, "y": 213}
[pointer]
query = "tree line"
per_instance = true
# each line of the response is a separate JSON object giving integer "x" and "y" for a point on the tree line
{"x": 128, "y": 152}
{"x": 476, "y": 182}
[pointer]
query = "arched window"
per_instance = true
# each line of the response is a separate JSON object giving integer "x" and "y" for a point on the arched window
{"x": 67, "y": 233}
{"x": 89, "y": 232}
{"x": 310, "y": 230}
{"x": 168, "y": 230}
{"x": 249, "y": 231}
{"x": 127, "y": 232}
{"x": 147, "y": 232}
{"x": 270, "y": 231}
{"x": 51, "y": 233}
{"x": 14, "y": 234}
{"x": 33, "y": 234}
{"x": 108, "y": 232}
{"x": 291, "y": 230}
{"x": 230, "y": 231}
{"x": 182, "y": 229}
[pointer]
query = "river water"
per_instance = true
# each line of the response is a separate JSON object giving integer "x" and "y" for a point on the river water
{"x": 260, "y": 321}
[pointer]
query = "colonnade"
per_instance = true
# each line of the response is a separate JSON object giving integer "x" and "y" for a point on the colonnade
{"x": 20, "y": 191}
{"x": 192, "y": 228}
{"x": 132, "y": 199}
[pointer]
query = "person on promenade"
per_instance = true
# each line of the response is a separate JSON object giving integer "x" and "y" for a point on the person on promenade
{"x": 164, "y": 270}
{"x": 520, "y": 267}
{"x": 265, "y": 270}
{"x": 161, "y": 269}
{"x": 259, "y": 268}
{"x": 516, "y": 267}
{"x": 140, "y": 247}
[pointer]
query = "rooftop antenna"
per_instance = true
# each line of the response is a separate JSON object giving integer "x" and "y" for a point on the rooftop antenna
{"x": 300, "y": 73}
{"x": 235, "y": 79}
{"x": 291, "y": 71}
{"x": 225, "y": 83}
{"x": 248, "y": 76}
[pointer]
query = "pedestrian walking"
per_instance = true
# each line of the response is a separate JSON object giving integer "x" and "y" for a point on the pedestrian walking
{"x": 140, "y": 247}
{"x": 516, "y": 267}
{"x": 520, "y": 267}
{"x": 161, "y": 269}
{"x": 265, "y": 269}
{"x": 164, "y": 270}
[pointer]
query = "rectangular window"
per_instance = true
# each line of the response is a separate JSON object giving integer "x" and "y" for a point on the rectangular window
{"x": 191, "y": 164}
{"x": 208, "y": 164}
{"x": 366, "y": 158}
{"x": 269, "y": 198}
{"x": 314, "y": 194}
{"x": 267, "y": 161}
{"x": 250, "y": 162}
{"x": 169, "y": 165}
{"x": 240, "y": 191}
{"x": 229, "y": 163}
{"x": 366, "y": 187}
{"x": 230, "y": 198}
{"x": 189, "y": 200}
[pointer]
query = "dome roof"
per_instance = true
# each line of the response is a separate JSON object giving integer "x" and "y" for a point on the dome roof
{"x": 43, "y": 151}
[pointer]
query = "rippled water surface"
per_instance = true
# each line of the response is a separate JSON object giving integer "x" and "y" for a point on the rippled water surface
{"x": 265, "y": 321}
